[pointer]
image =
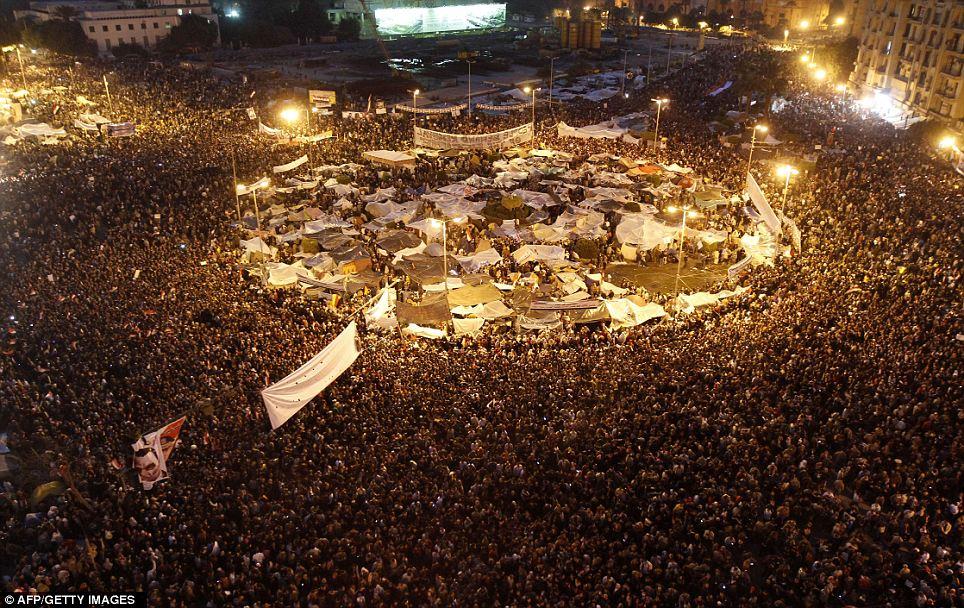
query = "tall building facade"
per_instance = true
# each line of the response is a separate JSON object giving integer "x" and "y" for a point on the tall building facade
{"x": 912, "y": 54}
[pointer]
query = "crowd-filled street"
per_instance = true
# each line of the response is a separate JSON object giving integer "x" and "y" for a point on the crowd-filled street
{"x": 795, "y": 443}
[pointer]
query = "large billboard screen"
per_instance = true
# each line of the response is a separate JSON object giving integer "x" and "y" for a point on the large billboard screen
{"x": 426, "y": 20}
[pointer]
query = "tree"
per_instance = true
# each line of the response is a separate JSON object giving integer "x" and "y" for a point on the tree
{"x": 349, "y": 29}
{"x": 309, "y": 20}
{"x": 193, "y": 32}
{"x": 9, "y": 32}
{"x": 65, "y": 37}
{"x": 65, "y": 13}
{"x": 129, "y": 49}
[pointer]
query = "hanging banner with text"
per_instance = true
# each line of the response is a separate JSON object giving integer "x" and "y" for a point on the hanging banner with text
{"x": 436, "y": 140}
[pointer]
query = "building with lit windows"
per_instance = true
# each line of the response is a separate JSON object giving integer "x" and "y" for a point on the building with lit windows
{"x": 911, "y": 56}
{"x": 110, "y": 24}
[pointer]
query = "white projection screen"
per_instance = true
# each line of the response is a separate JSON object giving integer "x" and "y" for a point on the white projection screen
{"x": 411, "y": 21}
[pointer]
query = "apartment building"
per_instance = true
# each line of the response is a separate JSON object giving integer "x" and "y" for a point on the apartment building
{"x": 109, "y": 24}
{"x": 912, "y": 54}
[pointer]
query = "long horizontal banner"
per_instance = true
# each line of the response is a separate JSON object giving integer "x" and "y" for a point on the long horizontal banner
{"x": 437, "y": 140}
{"x": 446, "y": 110}
{"x": 292, "y": 165}
{"x": 505, "y": 108}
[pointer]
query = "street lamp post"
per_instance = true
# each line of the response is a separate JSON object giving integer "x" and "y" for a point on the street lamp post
{"x": 415, "y": 107}
{"x": 786, "y": 171}
{"x": 23, "y": 74}
{"x": 622, "y": 89}
{"x": 469, "y": 99}
{"x": 533, "y": 91}
{"x": 110, "y": 104}
{"x": 949, "y": 142}
{"x": 659, "y": 107}
{"x": 684, "y": 211}
{"x": 552, "y": 65}
{"x": 761, "y": 129}
{"x": 445, "y": 247}
{"x": 669, "y": 53}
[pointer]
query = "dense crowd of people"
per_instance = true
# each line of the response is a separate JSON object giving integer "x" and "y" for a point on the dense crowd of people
{"x": 798, "y": 445}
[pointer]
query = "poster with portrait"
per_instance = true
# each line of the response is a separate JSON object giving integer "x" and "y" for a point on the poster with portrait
{"x": 153, "y": 451}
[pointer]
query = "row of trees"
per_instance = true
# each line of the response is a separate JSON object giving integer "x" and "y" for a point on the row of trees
{"x": 267, "y": 23}
{"x": 260, "y": 23}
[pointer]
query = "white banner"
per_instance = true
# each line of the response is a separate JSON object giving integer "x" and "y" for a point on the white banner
{"x": 437, "y": 140}
{"x": 505, "y": 108}
{"x": 263, "y": 128}
{"x": 286, "y": 397}
{"x": 445, "y": 110}
{"x": 762, "y": 206}
{"x": 292, "y": 165}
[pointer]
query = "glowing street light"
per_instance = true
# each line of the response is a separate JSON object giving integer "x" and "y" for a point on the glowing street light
{"x": 241, "y": 189}
{"x": 532, "y": 90}
{"x": 820, "y": 74}
{"x": 839, "y": 21}
{"x": 290, "y": 115}
{"x": 805, "y": 58}
{"x": 786, "y": 171}
{"x": 675, "y": 22}
{"x": 761, "y": 129}
{"x": 685, "y": 212}
{"x": 948, "y": 142}
{"x": 786, "y": 36}
{"x": 841, "y": 88}
{"x": 659, "y": 107}
{"x": 805, "y": 24}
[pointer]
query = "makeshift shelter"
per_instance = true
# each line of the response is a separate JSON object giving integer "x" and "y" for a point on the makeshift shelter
{"x": 390, "y": 158}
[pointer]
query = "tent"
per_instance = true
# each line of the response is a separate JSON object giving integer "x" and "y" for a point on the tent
{"x": 390, "y": 158}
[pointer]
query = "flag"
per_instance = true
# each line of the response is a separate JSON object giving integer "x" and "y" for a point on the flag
{"x": 286, "y": 397}
{"x": 381, "y": 313}
{"x": 149, "y": 461}
{"x": 152, "y": 451}
{"x": 761, "y": 205}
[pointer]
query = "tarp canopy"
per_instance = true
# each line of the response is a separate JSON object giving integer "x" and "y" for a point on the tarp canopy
{"x": 541, "y": 253}
{"x": 476, "y": 294}
{"x": 433, "y": 310}
{"x": 478, "y": 261}
{"x": 391, "y": 158}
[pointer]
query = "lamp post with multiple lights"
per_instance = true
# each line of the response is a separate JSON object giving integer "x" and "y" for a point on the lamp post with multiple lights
{"x": 659, "y": 107}
{"x": 786, "y": 171}
{"x": 437, "y": 223}
{"x": 762, "y": 129}
{"x": 684, "y": 213}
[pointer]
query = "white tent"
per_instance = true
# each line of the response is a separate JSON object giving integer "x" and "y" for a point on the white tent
{"x": 391, "y": 158}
